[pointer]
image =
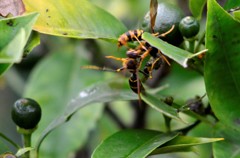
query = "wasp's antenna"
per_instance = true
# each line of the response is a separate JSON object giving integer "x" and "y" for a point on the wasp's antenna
{"x": 93, "y": 67}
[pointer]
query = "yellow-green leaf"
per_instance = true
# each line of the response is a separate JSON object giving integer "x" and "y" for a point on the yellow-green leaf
{"x": 184, "y": 143}
{"x": 78, "y": 19}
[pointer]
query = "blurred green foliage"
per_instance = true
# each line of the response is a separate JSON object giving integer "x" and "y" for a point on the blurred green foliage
{"x": 52, "y": 75}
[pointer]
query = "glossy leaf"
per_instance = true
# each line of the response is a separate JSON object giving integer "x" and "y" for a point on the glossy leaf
{"x": 231, "y": 144}
{"x": 78, "y": 19}
{"x": 15, "y": 36}
{"x": 179, "y": 55}
{"x": 131, "y": 144}
{"x": 99, "y": 93}
{"x": 11, "y": 7}
{"x": 160, "y": 106}
{"x": 230, "y": 4}
{"x": 54, "y": 82}
{"x": 221, "y": 73}
{"x": 196, "y": 7}
{"x": 183, "y": 143}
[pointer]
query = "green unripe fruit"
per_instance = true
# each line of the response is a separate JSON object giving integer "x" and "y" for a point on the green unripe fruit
{"x": 189, "y": 27}
{"x": 26, "y": 113}
{"x": 167, "y": 16}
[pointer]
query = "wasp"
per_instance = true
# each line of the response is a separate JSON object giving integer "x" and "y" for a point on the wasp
{"x": 135, "y": 83}
{"x": 156, "y": 56}
{"x": 144, "y": 49}
{"x": 136, "y": 35}
{"x": 139, "y": 54}
{"x": 131, "y": 35}
{"x": 155, "y": 61}
{"x": 133, "y": 66}
{"x": 130, "y": 64}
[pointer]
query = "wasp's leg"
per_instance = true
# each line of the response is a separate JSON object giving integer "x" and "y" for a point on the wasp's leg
{"x": 164, "y": 58}
{"x": 166, "y": 33}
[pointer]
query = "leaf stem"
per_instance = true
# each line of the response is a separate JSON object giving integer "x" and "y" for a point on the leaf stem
{"x": 200, "y": 41}
{"x": 27, "y": 140}
{"x": 27, "y": 143}
{"x": 191, "y": 45}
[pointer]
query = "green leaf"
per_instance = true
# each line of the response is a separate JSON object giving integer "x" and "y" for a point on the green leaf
{"x": 54, "y": 82}
{"x": 179, "y": 55}
{"x": 231, "y": 144}
{"x": 33, "y": 41}
{"x": 160, "y": 106}
{"x": 221, "y": 73}
{"x": 131, "y": 144}
{"x": 78, "y": 19}
{"x": 183, "y": 143}
{"x": 230, "y": 4}
{"x": 99, "y": 93}
{"x": 16, "y": 31}
{"x": 196, "y": 7}
{"x": 9, "y": 52}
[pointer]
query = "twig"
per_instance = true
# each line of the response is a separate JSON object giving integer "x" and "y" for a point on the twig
{"x": 114, "y": 117}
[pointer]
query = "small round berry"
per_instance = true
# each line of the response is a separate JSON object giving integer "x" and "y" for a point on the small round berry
{"x": 26, "y": 113}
